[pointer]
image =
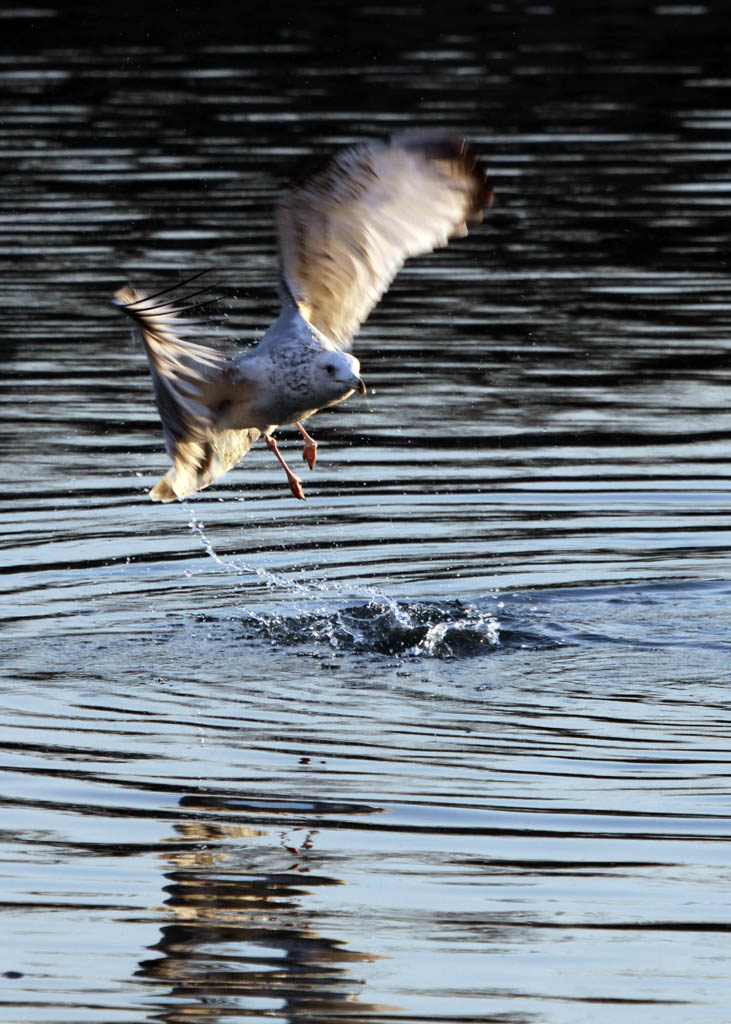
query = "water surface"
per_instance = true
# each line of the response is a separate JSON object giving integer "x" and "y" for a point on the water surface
{"x": 449, "y": 741}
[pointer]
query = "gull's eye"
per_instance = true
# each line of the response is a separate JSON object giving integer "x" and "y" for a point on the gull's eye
{"x": 330, "y": 369}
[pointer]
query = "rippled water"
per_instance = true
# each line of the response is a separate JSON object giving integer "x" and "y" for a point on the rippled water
{"x": 450, "y": 740}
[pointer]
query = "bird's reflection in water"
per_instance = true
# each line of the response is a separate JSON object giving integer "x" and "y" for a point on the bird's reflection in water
{"x": 242, "y": 943}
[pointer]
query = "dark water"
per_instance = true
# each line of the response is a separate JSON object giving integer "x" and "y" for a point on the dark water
{"x": 450, "y": 741}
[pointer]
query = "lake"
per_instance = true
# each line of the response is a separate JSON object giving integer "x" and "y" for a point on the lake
{"x": 449, "y": 741}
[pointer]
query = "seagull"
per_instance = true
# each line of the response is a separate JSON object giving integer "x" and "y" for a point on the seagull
{"x": 343, "y": 235}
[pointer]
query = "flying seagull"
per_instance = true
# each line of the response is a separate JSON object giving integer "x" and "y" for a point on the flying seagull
{"x": 344, "y": 233}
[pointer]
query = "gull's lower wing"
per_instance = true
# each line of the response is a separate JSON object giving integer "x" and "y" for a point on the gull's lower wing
{"x": 186, "y": 376}
{"x": 191, "y": 382}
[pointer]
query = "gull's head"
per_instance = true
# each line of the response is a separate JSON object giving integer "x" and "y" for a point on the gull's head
{"x": 335, "y": 375}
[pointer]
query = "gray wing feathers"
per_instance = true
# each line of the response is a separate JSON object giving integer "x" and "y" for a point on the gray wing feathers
{"x": 190, "y": 382}
{"x": 345, "y": 232}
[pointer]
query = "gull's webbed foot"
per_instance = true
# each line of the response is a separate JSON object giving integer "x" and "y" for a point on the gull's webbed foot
{"x": 309, "y": 452}
{"x": 295, "y": 486}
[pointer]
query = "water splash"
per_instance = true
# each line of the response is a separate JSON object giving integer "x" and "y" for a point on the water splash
{"x": 380, "y": 625}
{"x": 432, "y": 629}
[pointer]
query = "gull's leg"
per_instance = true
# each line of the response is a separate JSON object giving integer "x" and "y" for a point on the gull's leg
{"x": 309, "y": 452}
{"x": 295, "y": 483}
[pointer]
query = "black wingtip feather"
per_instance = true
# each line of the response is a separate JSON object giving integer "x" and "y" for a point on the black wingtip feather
{"x": 174, "y": 287}
{"x": 450, "y": 145}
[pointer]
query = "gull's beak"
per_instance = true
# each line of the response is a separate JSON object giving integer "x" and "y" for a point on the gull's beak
{"x": 353, "y": 382}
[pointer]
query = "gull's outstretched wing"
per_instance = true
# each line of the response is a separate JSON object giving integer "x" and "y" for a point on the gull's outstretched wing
{"x": 185, "y": 375}
{"x": 345, "y": 232}
{"x": 190, "y": 382}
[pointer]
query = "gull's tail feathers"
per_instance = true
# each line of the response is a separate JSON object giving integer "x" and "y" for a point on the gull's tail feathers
{"x": 191, "y": 384}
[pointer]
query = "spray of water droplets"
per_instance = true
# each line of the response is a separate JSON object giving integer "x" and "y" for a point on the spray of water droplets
{"x": 377, "y": 624}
